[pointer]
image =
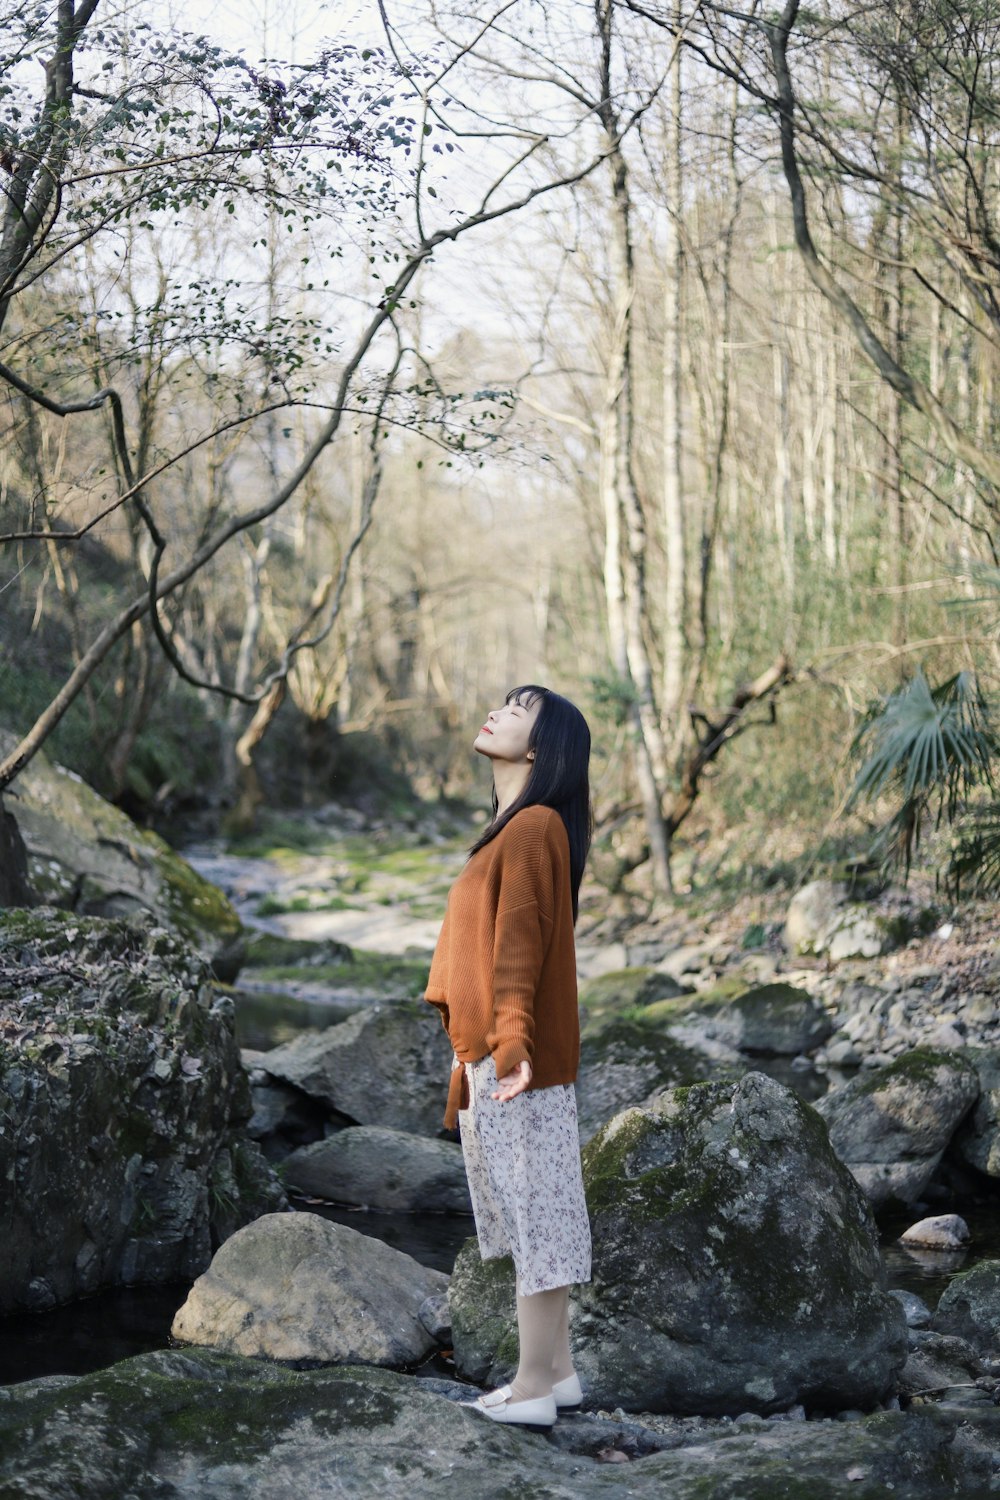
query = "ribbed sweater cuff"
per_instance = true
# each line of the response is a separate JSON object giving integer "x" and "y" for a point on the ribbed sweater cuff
{"x": 507, "y": 1055}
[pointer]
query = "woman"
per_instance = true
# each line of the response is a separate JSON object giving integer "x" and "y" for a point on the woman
{"x": 504, "y": 979}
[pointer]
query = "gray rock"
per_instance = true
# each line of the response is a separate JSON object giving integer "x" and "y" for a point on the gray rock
{"x": 939, "y": 1363}
{"x": 855, "y": 934}
{"x": 736, "y": 1265}
{"x": 821, "y": 918}
{"x": 693, "y": 958}
{"x": 297, "y": 1289}
{"x": 625, "y": 1062}
{"x": 435, "y": 1314}
{"x": 386, "y": 1065}
{"x": 977, "y": 1140}
{"x": 122, "y": 1101}
{"x": 891, "y": 1125}
{"x": 941, "y": 1232}
{"x": 970, "y": 1306}
{"x": 194, "y": 1425}
{"x": 374, "y": 1166}
{"x": 87, "y": 856}
{"x": 915, "y": 1309}
{"x": 776, "y": 1020}
{"x": 623, "y": 990}
{"x": 812, "y": 914}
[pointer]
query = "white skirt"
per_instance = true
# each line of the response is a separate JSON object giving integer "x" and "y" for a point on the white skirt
{"x": 522, "y": 1159}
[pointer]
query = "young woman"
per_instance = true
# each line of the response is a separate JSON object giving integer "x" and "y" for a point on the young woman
{"x": 504, "y": 979}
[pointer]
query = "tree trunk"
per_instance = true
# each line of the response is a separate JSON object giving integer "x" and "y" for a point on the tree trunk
{"x": 675, "y": 583}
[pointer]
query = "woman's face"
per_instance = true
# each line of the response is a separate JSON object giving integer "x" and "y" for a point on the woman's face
{"x": 507, "y": 730}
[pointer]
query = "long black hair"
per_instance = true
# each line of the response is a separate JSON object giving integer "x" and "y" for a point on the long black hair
{"x": 559, "y": 776}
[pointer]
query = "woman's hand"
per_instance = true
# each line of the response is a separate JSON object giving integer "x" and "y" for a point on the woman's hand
{"x": 513, "y": 1083}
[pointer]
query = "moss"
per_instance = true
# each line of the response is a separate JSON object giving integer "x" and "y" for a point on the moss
{"x": 705, "y": 1001}
{"x": 378, "y": 973}
{"x": 663, "y": 1170}
{"x": 194, "y": 905}
{"x": 21, "y": 925}
{"x": 919, "y": 1065}
{"x": 625, "y": 990}
{"x": 272, "y": 948}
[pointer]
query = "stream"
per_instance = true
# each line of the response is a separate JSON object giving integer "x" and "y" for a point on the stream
{"x": 112, "y": 1325}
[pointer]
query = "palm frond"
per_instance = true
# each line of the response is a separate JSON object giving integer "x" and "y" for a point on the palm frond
{"x": 974, "y": 866}
{"x": 924, "y": 745}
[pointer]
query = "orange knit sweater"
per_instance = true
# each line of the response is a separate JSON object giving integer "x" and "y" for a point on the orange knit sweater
{"x": 503, "y": 974}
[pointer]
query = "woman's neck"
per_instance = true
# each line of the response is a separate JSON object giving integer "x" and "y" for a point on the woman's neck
{"x": 509, "y": 781}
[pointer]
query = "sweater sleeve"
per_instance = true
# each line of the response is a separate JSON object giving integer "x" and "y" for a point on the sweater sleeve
{"x": 436, "y": 993}
{"x": 521, "y": 939}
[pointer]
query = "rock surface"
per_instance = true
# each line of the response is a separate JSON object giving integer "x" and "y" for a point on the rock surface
{"x": 941, "y": 1232}
{"x": 87, "y": 856}
{"x": 623, "y": 1062}
{"x": 891, "y": 1126}
{"x": 121, "y": 1101}
{"x": 736, "y": 1265}
{"x": 373, "y": 1166}
{"x": 822, "y": 918}
{"x": 189, "y": 1425}
{"x": 386, "y": 1065}
{"x": 770, "y": 1020}
{"x": 970, "y": 1306}
{"x": 977, "y": 1141}
{"x": 297, "y": 1289}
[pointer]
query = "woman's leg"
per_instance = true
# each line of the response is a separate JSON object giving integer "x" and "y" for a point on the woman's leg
{"x": 540, "y": 1319}
{"x": 562, "y": 1359}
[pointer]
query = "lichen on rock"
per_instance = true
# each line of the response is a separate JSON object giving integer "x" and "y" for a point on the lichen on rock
{"x": 122, "y": 1102}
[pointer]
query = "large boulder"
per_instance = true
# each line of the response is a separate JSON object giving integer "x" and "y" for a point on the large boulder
{"x": 196, "y": 1425}
{"x": 300, "y": 1290}
{"x": 969, "y": 1306}
{"x": 87, "y": 856}
{"x": 770, "y": 1020}
{"x": 736, "y": 1265}
{"x": 977, "y": 1140}
{"x": 373, "y": 1166}
{"x": 890, "y": 1126}
{"x": 122, "y": 1098}
{"x": 386, "y": 1065}
{"x": 624, "y": 1061}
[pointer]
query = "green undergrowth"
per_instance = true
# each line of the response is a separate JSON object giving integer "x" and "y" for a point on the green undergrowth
{"x": 376, "y": 973}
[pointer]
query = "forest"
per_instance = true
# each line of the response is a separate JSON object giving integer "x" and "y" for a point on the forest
{"x": 646, "y": 350}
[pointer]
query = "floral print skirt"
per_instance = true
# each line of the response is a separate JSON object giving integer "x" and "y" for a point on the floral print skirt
{"x": 522, "y": 1159}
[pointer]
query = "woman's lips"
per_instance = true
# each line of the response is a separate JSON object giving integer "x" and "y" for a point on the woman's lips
{"x": 486, "y": 729}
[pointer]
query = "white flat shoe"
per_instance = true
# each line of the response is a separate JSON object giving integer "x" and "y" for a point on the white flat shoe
{"x": 568, "y": 1393}
{"x": 497, "y": 1405}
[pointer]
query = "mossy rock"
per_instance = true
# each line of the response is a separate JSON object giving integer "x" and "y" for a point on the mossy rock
{"x": 623, "y": 990}
{"x": 891, "y": 1125}
{"x": 192, "y": 1424}
{"x": 736, "y": 1263}
{"x": 87, "y": 856}
{"x": 970, "y": 1306}
{"x": 122, "y": 1079}
{"x": 768, "y": 1020}
{"x": 626, "y": 1061}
